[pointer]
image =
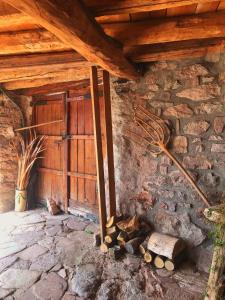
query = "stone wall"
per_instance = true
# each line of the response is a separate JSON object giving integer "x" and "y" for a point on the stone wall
{"x": 190, "y": 94}
{"x": 11, "y": 117}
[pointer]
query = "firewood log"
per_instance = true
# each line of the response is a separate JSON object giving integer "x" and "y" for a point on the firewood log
{"x": 116, "y": 252}
{"x": 111, "y": 238}
{"x": 159, "y": 261}
{"x": 113, "y": 220}
{"x": 123, "y": 236}
{"x": 148, "y": 256}
{"x": 111, "y": 230}
{"x": 97, "y": 240}
{"x": 104, "y": 248}
{"x": 172, "y": 264}
{"x": 143, "y": 247}
{"x": 133, "y": 245}
{"x": 165, "y": 245}
{"x": 129, "y": 224}
{"x": 121, "y": 243}
{"x": 52, "y": 207}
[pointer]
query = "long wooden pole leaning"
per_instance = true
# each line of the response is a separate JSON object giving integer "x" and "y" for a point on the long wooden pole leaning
{"x": 37, "y": 125}
{"x": 98, "y": 150}
{"x": 185, "y": 173}
{"x": 109, "y": 143}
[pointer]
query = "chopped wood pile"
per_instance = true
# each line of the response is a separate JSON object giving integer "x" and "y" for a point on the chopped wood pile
{"x": 136, "y": 237}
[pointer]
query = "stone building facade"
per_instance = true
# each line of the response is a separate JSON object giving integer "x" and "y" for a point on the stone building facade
{"x": 190, "y": 95}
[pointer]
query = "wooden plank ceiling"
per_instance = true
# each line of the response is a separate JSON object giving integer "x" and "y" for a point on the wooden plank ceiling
{"x": 115, "y": 35}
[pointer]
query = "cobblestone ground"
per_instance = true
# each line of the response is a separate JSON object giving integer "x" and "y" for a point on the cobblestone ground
{"x": 44, "y": 257}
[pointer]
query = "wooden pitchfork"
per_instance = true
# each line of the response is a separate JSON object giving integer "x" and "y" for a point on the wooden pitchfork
{"x": 155, "y": 134}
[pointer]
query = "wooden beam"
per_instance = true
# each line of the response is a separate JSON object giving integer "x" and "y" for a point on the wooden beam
{"x": 173, "y": 29}
{"x": 62, "y": 76}
{"x": 65, "y": 180}
{"x": 29, "y": 60}
{"x": 112, "y": 7}
{"x": 72, "y": 24}
{"x": 16, "y": 21}
{"x": 109, "y": 144}
{"x": 98, "y": 150}
{"x": 174, "y": 51}
{"x": 30, "y": 41}
{"x": 54, "y": 88}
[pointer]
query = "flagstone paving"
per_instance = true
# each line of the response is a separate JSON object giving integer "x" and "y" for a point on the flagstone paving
{"x": 45, "y": 257}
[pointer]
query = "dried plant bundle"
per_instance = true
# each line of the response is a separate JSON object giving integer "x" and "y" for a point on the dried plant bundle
{"x": 28, "y": 152}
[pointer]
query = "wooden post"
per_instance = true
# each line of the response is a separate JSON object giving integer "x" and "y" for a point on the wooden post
{"x": 98, "y": 150}
{"x": 215, "y": 285}
{"x": 109, "y": 143}
{"x": 65, "y": 153}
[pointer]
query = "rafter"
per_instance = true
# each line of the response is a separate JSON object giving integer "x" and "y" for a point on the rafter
{"x": 72, "y": 24}
{"x": 112, "y": 7}
{"x": 54, "y": 77}
{"x": 172, "y": 29}
{"x": 30, "y": 41}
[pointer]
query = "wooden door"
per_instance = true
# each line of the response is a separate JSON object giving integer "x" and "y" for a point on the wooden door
{"x": 49, "y": 179}
{"x": 75, "y": 136}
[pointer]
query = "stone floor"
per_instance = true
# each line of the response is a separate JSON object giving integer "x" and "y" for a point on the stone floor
{"x": 53, "y": 257}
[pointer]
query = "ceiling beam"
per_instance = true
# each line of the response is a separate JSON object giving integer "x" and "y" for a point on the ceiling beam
{"x": 54, "y": 77}
{"x": 43, "y": 71}
{"x": 112, "y": 7}
{"x": 30, "y": 41}
{"x": 173, "y": 29}
{"x": 72, "y": 24}
{"x": 54, "y": 88}
{"x": 29, "y": 60}
{"x": 174, "y": 51}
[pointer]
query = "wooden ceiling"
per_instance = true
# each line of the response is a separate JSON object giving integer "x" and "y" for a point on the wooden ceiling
{"x": 112, "y": 34}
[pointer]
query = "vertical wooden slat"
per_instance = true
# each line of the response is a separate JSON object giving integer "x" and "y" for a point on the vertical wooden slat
{"x": 109, "y": 143}
{"x": 98, "y": 148}
{"x": 65, "y": 154}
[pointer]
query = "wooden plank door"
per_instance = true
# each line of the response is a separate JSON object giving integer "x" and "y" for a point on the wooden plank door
{"x": 49, "y": 178}
{"x": 82, "y": 166}
{"x": 69, "y": 178}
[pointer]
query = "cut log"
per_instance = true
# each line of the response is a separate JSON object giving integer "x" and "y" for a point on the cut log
{"x": 109, "y": 239}
{"x": 104, "y": 248}
{"x": 129, "y": 224}
{"x": 132, "y": 246}
{"x": 165, "y": 245}
{"x": 159, "y": 262}
{"x": 148, "y": 256}
{"x": 111, "y": 230}
{"x": 52, "y": 207}
{"x": 123, "y": 236}
{"x": 97, "y": 240}
{"x": 172, "y": 264}
{"x": 143, "y": 247}
{"x": 116, "y": 252}
{"x": 113, "y": 220}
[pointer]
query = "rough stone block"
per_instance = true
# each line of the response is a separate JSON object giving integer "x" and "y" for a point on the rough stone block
{"x": 201, "y": 93}
{"x": 180, "y": 144}
{"x": 178, "y": 111}
{"x": 196, "y": 128}
{"x": 219, "y": 124}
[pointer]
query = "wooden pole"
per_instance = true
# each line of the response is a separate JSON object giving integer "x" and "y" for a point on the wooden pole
{"x": 109, "y": 143}
{"x": 38, "y": 125}
{"x": 98, "y": 150}
{"x": 65, "y": 153}
{"x": 215, "y": 285}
